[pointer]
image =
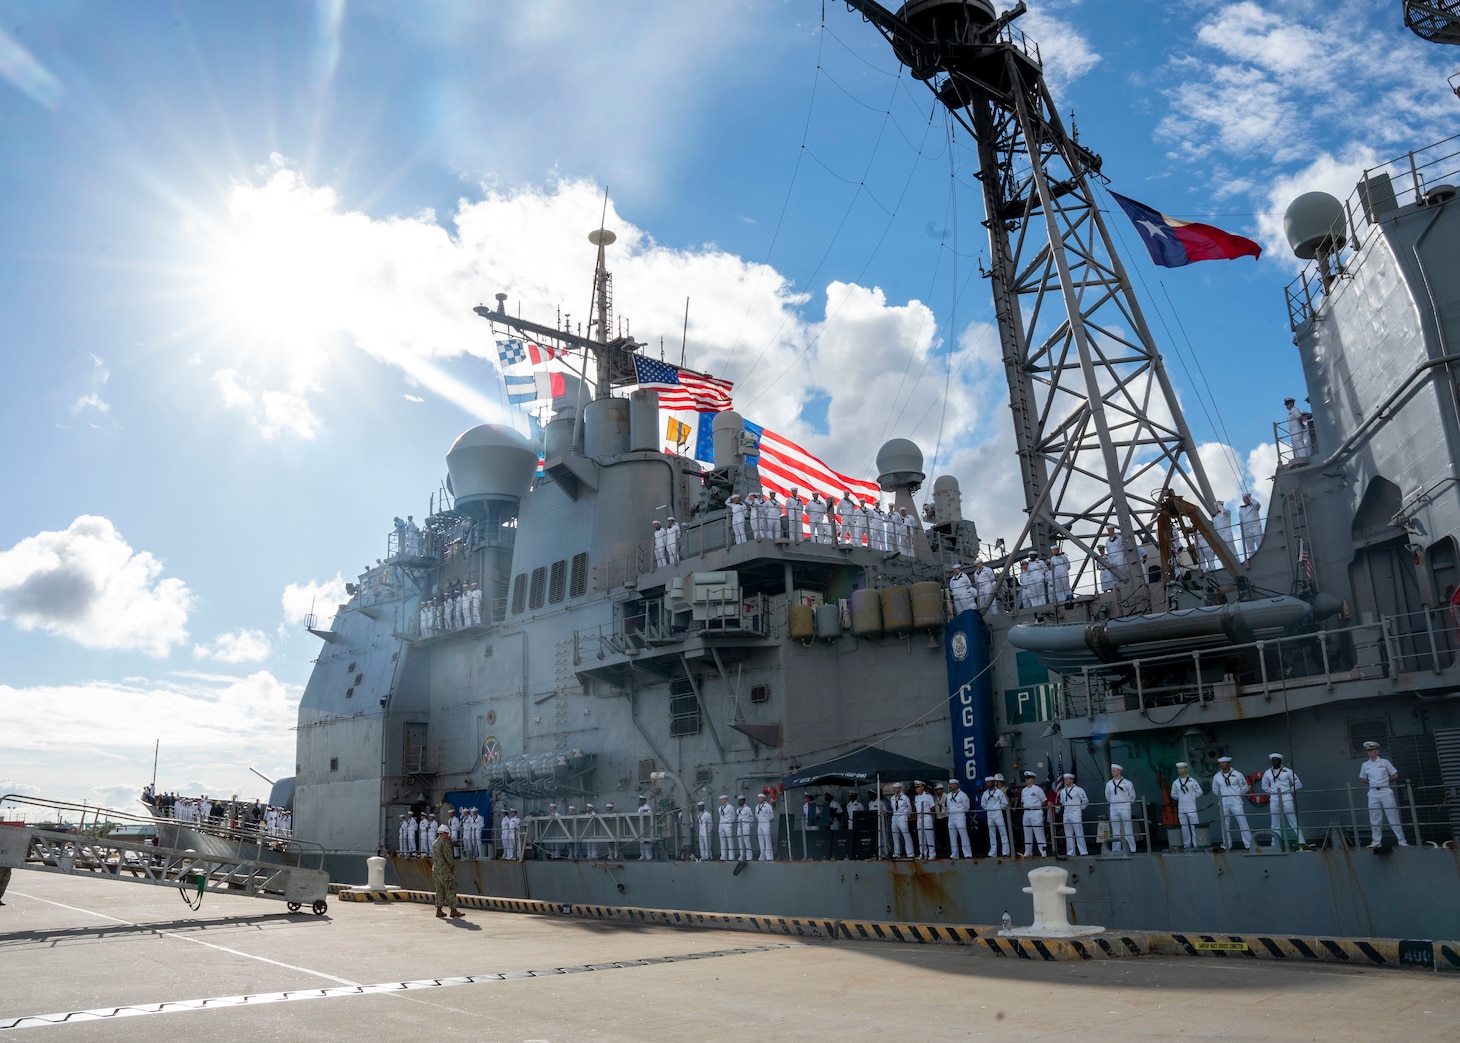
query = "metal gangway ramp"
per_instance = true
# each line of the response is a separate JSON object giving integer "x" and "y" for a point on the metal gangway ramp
{"x": 189, "y": 856}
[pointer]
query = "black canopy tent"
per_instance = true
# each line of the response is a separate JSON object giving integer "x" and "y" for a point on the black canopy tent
{"x": 866, "y": 765}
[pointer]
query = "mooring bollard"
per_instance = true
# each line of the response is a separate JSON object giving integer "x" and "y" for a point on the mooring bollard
{"x": 374, "y": 876}
{"x": 1048, "y": 888}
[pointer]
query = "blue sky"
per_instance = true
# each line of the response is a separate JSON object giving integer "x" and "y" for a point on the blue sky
{"x": 241, "y": 244}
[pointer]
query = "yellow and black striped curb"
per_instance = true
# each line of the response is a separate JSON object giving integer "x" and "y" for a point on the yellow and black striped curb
{"x": 1422, "y": 954}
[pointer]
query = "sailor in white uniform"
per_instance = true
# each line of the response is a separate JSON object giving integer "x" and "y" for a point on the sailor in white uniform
{"x": 509, "y": 835}
{"x": 1074, "y": 800}
{"x": 471, "y": 833}
{"x": 923, "y": 804}
{"x": 902, "y": 840}
{"x": 673, "y": 535}
{"x": 406, "y": 841}
{"x": 1250, "y": 518}
{"x": 727, "y": 829}
{"x": 985, "y": 585}
{"x": 703, "y": 820}
{"x": 995, "y": 802}
{"x": 646, "y": 829}
{"x": 425, "y": 618}
{"x": 1032, "y": 799}
{"x": 737, "y": 520}
{"x": 476, "y": 604}
{"x": 862, "y": 526}
{"x": 1118, "y": 556}
{"x": 1231, "y": 786}
{"x": 907, "y": 525}
{"x": 816, "y": 516}
{"x": 795, "y": 508}
{"x": 744, "y": 820}
{"x": 1280, "y": 784}
{"x": 661, "y": 552}
{"x": 845, "y": 508}
{"x": 1059, "y": 568}
{"x": 960, "y": 587}
{"x": 772, "y": 510}
{"x": 765, "y": 817}
{"x": 958, "y": 808}
{"x": 454, "y": 825}
{"x": 1185, "y": 790}
{"x": 1297, "y": 430}
{"x": 1380, "y": 776}
{"x": 1120, "y": 795}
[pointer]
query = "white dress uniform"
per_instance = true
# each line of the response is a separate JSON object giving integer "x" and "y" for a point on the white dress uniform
{"x": 1185, "y": 790}
{"x": 1120, "y": 795}
{"x": 744, "y": 821}
{"x": 902, "y": 840}
{"x": 1250, "y": 517}
{"x": 727, "y": 830}
{"x": 454, "y": 824}
{"x": 1032, "y": 800}
{"x": 958, "y": 808}
{"x": 845, "y": 509}
{"x": 1280, "y": 784}
{"x": 927, "y": 843}
{"x": 1298, "y": 432}
{"x": 816, "y": 515}
{"x": 765, "y": 819}
{"x": 476, "y": 603}
{"x": 795, "y": 508}
{"x": 406, "y": 841}
{"x": 862, "y": 526}
{"x": 661, "y": 551}
{"x": 1119, "y": 556}
{"x": 646, "y": 831}
{"x": 1230, "y": 786}
{"x": 985, "y": 583}
{"x": 703, "y": 820}
{"x": 425, "y": 619}
{"x": 1380, "y": 776}
{"x": 961, "y": 588}
{"x": 468, "y": 827}
{"x": 996, "y": 802}
{"x": 906, "y": 523}
{"x": 737, "y": 521}
{"x": 1074, "y": 800}
{"x": 1059, "y": 568}
{"x": 673, "y": 534}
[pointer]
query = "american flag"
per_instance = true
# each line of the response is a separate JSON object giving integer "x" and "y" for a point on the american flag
{"x": 682, "y": 388}
{"x": 784, "y": 464}
{"x": 1305, "y": 561}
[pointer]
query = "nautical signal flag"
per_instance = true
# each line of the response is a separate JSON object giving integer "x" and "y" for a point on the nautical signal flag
{"x": 682, "y": 388}
{"x": 1172, "y": 243}
{"x": 678, "y": 432}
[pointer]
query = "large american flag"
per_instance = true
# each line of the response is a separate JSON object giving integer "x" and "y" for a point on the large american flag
{"x": 683, "y": 388}
{"x": 784, "y": 464}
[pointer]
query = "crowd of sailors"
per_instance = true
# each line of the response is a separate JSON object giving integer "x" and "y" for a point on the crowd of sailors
{"x": 460, "y": 605}
{"x": 225, "y": 815}
{"x": 846, "y": 522}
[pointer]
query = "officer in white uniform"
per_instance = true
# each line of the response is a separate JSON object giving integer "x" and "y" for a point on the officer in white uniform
{"x": 744, "y": 821}
{"x": 1381, "y": 776}
{"x": 1074, "y": 800}
{"x": 772, "y": 517}
{"x": 862, "y": 526}
{"x": 1280, "y": 784}
{"x": 816, "y": 516}
{"x": 1120, "y": 795}
{"x": 901, "y": 808}
{"x": 985, "y": 585}
{"x": 923, "y": 804}
{"x": 1250, "y": 518}
{"x": 673, "y": 535}
{"x": 727, "y": 829}
{"x": 854, "y": 807}
{"x": 476, "y": 604}
{"x": 1185, "y": 790}
{"x": 1059, "y": 569}
{"x": 646, "y": 829}
{"x": 1297, "y": 430}
{"x": 454, "y": 825}
{"x": 1118, "y": 555}
{"x": 765, "y": 818}
{"x": 962, "y": 591}
{"x": 426, "y": 836}
{"x": 846, "y": 509}
{"x": 737, "y": 520}
{"x": 702, "y": 823}
{"x": 958, "y": 808}
{"x": 406, "y": 841}
{"x": 906, "y": 526}
{"x": 1231, "y": 786}
{"x": 995, "y": 802}
{"x": 1032, "y": 799}
{"x": 795, "y": 508}
{"x": 661, "y": 553}
{"x": 509, "y": 834}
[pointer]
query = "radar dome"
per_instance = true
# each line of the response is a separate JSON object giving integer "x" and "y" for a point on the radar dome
{"x": 490, "y": 462}
{"x": 900, "y": 465}
{"x": 1314, "y": 222}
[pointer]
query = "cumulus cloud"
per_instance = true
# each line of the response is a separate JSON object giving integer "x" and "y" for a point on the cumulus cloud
{"x": 1337, "y": 175}
{"x": 273, "y": 412}
{"x": 235, "y": 646}
{"x": 91, "y": 401}
{"x": 86, "y": 583}
{"x": 1066, "y": 52}
{"x": 300, "y": 599}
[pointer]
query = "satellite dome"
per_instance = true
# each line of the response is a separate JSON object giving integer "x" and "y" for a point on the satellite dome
{"x": 945, "y": 483}
{"x": 1314, "y": 222}
{"x": 490, "y": 462}
{"x": 900, "y": 465}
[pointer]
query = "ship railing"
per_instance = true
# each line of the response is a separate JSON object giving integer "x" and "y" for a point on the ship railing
{"x": 1405, "y": 644}
{"x": 1294, "y": 440}
{"x": 1425, "y": 177}
{"x": 610, "y": 835}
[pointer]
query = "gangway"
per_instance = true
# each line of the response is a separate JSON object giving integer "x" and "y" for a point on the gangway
{"x": 192, "y": 857}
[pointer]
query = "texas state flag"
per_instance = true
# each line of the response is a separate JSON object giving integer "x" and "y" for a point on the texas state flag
{"x": 1173, "y": 243}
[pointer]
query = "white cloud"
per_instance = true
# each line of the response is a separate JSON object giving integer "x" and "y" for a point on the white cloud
{"x": 235, "y": 646}
{"x": 94, "y": 740}
{"x": 91, "y": 401}
{"x": 99, "y": 372}
{"x": 87, "y": 584}
{"x": 1066, "y": 53}
{"x": 1336, "y": 175}
{"x": 413, "y": 398}
{"x": 273, "y": 412}
{"x": 299, "y": 599}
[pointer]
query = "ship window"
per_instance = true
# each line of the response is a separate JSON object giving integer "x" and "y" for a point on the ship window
{"x": 578, "y": 583}
{"x": 359, "y": 678}
{"x": 761, "y": 693}
{"x": 349, "y": 692}
{"x": 334, "y": 764}
{"x": 558, "y": 582}
{"x": 350, "y": 669}
{"x": 684, "y": 708}
{"x": 519, "y": 593}
{"x": 539, "y": 588}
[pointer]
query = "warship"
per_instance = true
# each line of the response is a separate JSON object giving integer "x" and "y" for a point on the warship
{"x": 530, "y": 645}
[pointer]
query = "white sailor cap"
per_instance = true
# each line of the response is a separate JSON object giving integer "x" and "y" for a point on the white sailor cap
{"x": 699, "y": 803}
{"x": 1029, "y": 774}
{"x": 999, "y": 777}
{"x": 1182, "y": 764}
{"x": 642, "y": 797}
{"x": 1274, "y": 756}
{"x": 403, "y": 815}
{"x": 1371, "y": 745}
{"x": 1067, "y": 775}
{"x": 1116, "y": 767}
{"x": 589, "y": 806}
{"x": 1224, "y": 760}
{"x": 671, "y": 518}
{"x": 760, "y": 796}
{"x": 952, "y": 782}
{"x": 989, "y": 778}
{"x": 897, "y": 785}
{"x": 740, "y": 797}
{"x": 723, "y": 797}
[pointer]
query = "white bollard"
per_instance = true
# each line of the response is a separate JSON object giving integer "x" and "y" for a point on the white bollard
{"x": 374, "y": 876}
{"x": 1048, "y": 888}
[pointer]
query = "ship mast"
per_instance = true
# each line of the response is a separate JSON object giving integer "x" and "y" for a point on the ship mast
{"x": 1099, "y": 432}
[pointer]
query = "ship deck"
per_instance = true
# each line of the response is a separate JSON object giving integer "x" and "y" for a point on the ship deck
{"x": 142, "y": 966}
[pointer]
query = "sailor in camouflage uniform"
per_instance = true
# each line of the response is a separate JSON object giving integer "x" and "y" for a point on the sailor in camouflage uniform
{"x": 443, "y": 873}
